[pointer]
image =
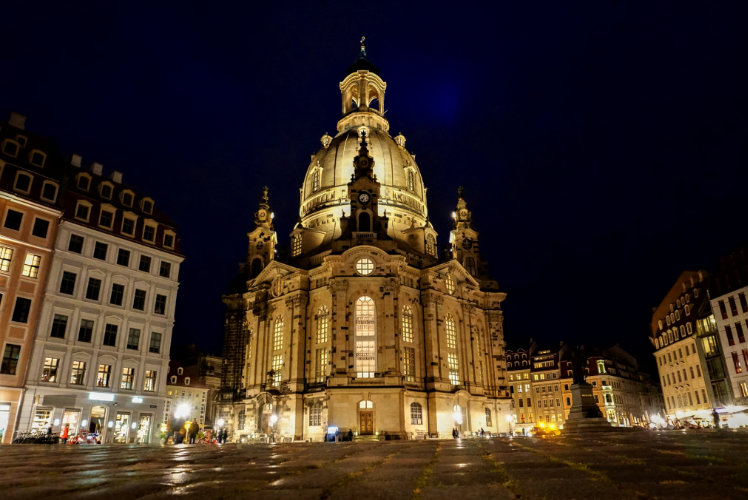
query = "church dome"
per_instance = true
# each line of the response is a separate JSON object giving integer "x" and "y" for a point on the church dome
{"x": 324, "y": 192}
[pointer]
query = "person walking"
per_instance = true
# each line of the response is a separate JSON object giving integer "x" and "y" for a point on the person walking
{"x": 65, "y": 433}
{"x": 194, "y": 428}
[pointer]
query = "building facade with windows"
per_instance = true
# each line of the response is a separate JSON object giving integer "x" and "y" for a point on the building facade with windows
{"x": 518, "y": 369}
{"x": 684, "y": 339}
{"x": 101, "y": 350}
{"x": 29, "y": 215}
{"x": 365, "y": 328}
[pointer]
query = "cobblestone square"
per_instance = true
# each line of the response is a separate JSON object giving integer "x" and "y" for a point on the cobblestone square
{"x": 673, "y": 464}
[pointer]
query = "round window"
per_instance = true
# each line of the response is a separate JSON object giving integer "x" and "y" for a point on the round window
{"x": 450, "y": 284}
{"x": 364, "y": 266}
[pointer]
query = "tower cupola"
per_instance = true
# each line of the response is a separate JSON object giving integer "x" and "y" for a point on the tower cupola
{"x": 362, "y": 91}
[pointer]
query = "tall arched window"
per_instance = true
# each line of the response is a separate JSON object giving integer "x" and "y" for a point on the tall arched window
{"x": 416, "y": 414}
{"x": 364, "y": 222}
{"x": 470, "y": 265}
{"x": 315, "y": 180}
{"x": 449, "y": 327}
{"x": 278, "y": 334}
{"x": 411, "y": 180}
{"x": 407, "y": 324}
{"x": 323, "y": 317}
{"x": 366, "y": 342}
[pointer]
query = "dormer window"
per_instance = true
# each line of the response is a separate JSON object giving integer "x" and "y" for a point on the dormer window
{"x": 169, "y": 239}
{"x": 147, "y": 205}
{"x": 22, "y": 140}
{"x": 173, "y": 379}
{"x": 83, "y": 210}
{"x": 11, "y": 147}
{"x": 180, "y": 370}
{"x": 106, "y": 218}
{"x": 128, "y": 224}
{"x": 105, "y": 190}
{"x": 186, "y": 380}
{"x": 149, "y": 233}
{"x": 23, "y": 182}
{"x": 49, "y": 191}
{"x": 37, "y": 158}
{"x": 127, "y": 198}
{"x": 84, "y": 182}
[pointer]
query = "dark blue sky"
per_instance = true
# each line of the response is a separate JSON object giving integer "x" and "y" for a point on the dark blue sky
{"x": 602, "y": 145}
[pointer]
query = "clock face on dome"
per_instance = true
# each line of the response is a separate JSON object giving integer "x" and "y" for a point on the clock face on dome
{"x": 364, "y": 197}
{"x": 363, "y": 162}
{"x": 463, "y": 213}
{"x": 261, "y": 214}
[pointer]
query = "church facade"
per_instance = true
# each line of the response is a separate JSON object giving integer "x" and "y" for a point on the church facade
{"x": 364, "y": 327}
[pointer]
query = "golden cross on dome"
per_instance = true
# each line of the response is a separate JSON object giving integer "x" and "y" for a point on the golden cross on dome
{"x": 363, "y": 47}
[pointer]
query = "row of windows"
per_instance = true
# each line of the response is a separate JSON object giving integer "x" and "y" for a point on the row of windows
{"x": 86, "y": 328}
{"x": 12, "y": 147}
{"x": 116, "y": 295}
{"x": 101, "y": 252}
{"x": 78, "y": 370}
{"x": 671, "y": 335}
{"x": 738, "y": 363}
{"x": 127, "y": 225}
{"x": 106, "y": 190}
{"x": 685, "y": 399}
{"x": 733, "y": 305}
{"x": 738, "y": 330}
{"x": 675, "y": 355}
{"x": 14, "y": 220}
{"x": 25, "y": 181}
{"x": 667, "y": 380}
{"x": 31, "y": 264}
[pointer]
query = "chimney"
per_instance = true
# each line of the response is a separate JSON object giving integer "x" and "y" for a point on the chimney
{"x": 17, "y": 120}
{"x": 97, "y": 168}
{"x": 116, "y": 177}
{"x": 76, "y": 160}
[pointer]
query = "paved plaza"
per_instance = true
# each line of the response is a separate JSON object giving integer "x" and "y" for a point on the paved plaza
{"x": 673, "y": 464}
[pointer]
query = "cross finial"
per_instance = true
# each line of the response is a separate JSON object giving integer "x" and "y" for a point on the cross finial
{"x": 363, "y": 47}
{"x": 459, "y": 191}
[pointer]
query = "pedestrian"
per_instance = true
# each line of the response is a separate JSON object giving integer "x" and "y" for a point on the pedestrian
{"x": 194, "y": 428}
{"x": 455, "y": 434}
{"x": 482, "y": 433}
{"x": 49, "y": 431}
{"x": 65, "y": 433}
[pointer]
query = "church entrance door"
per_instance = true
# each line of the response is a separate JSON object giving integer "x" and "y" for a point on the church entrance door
{"x": 366, "y": 422}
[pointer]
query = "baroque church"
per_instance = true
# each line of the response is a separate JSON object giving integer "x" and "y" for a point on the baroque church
{"x": 365, "y": 327}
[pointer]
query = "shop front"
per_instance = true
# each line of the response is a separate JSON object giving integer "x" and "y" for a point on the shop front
{"x": 97, "y": 417}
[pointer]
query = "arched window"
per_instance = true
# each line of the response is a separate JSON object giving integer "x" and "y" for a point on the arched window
{"x": 431, "y": 245}
{"x": 323, "y": 317}
{"x": 411, "y": 180}
{"x": 416, "y": 414}
{"x": 366, "y": 405}
{"x": 407, "y": 324}
{"x": 449, "y": 327}
{"x": 315, "y": 180}
{"x": 366, "y": 344}
{"x": 470, "y": 265}
{"x": 364, "y": 222}
{"x": 296, "y": 245}
{"x": 454, "y": 368}
{"x": 256, "y": 267}
{"x": 450, "y": 284}
{"x": 278, "y": 334}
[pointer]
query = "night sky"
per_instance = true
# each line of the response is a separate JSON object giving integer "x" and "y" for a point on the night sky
{"x": 602, "y": 146}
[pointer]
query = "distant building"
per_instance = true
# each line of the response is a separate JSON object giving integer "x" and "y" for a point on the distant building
{"x": 187, "y": 396}
{"x": 540, "y": 384}
{"x": 30, "y": 211}
{"x": 683, "y": 333}
{"x": 729, "y": 307}
{"x": 100, "y": 298}
{"x": 518, "y": 373}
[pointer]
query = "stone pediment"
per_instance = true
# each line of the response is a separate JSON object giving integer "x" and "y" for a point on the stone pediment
{"x": 272, "y": 271}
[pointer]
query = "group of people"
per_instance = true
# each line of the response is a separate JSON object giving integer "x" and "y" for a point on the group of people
{"x": 191, "y": 432}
